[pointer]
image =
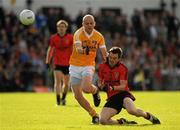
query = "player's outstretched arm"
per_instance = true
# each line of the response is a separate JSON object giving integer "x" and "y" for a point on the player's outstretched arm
{"x": 80, "y": 49}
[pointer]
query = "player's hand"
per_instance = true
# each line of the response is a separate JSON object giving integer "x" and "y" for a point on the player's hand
{"x": 100, "y": 84}
{"x": 47, "y": 66}
{"x": 86, "y": 50}
{"x": 111, "y": 88}
{"x": 107, "y": 88}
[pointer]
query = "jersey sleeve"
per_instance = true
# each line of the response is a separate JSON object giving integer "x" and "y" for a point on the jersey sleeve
{"x": 76, "y": 37}
{"x": 101, "y": 42}
{"x": 51, "y": 43}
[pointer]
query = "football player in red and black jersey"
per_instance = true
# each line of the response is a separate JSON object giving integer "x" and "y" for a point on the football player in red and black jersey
{"x": 60, "y": 49}
{"x": 113, "y": 78}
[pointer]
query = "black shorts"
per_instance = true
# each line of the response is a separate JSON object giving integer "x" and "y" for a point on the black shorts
{"x": 63, "y": 69}
{"x": 116, "y": 101}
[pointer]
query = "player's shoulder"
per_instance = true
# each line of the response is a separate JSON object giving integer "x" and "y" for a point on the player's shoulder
{"x": 53, "y": 36}
{"x": 79, "y": 31}
{"x": 123, "y": 66}
{"x": 98, "y": 33}
{"x": 69, "y": 35}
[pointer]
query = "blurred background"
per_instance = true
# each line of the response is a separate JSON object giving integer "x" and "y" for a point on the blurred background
{"x": 147, "y": 30}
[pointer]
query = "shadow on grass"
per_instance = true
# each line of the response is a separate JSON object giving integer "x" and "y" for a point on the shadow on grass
{"x": 141, "y": 125}
{"x": 67, "y": 106}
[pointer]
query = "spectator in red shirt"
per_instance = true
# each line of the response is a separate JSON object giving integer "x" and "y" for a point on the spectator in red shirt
{"x": 60, "y": 49}
{"x": 113, "y": 78}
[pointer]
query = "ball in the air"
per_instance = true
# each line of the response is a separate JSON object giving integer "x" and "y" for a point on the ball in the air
{"x": 27, "y": 17}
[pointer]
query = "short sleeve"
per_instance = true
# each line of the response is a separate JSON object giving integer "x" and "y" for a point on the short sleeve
{"x": 76, "y": 37}
{"x": 101, "y": 42}
{"x": 51, "y": 43}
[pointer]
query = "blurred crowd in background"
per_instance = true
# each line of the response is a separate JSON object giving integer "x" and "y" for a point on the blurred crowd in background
{"x": 150, "y": 43}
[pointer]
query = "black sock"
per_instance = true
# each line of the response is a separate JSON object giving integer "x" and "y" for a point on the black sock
{"x": 63, "y": 96}
{"x": 58, "y": 99}
{"x": 148, "y": 116}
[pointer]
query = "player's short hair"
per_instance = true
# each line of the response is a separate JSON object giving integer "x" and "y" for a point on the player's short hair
{"x": 62, "y": 21}
{"x": 88, "y": 15}
{"x": 116, "y": 50}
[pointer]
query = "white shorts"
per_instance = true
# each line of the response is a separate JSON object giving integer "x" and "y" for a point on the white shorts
{"x": 77, "y": 73}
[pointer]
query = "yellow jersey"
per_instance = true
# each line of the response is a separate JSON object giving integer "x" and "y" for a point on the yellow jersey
{"x": 93, "y": 41}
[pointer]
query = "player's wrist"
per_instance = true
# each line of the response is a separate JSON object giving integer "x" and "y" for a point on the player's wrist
{"x": 84, "y": 50}
{"x": 80, "y": 50}
{"x": 111, "y": 88}
{"x": 47, "y": 65}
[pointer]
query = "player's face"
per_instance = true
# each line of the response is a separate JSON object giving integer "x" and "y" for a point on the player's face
{"x": 89, "y": 24}
{"x": 61, "y": 28}
{"x": 113, "y": 59}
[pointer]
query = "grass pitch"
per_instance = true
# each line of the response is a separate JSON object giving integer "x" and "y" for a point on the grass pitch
{"x": 37, "y": 111}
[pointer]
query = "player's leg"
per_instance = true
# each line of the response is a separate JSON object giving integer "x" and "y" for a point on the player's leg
{"x": 106, "y": 115}
{"x": 76, "y": 82}
{"x": 96, "y": 97}
{"x": 65, "y": 88}
{"x": 58, "y": 76}
{"x": 106, "y": 118}
{"x": 131, "y": 109}
{"x": 112, "y": 107}
{"x": 77, "y": 90}
{"x": 87, "y": 85}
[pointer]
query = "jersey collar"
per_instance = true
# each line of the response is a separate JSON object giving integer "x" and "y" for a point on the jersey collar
{"x": 88, "y": 35}
{"x": 61, "y": 36}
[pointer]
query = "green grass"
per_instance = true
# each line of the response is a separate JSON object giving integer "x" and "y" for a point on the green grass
{"x": 37, "y": 111}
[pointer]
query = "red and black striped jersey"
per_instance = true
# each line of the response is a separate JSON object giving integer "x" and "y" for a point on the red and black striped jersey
{"x": 62, "y": 48}
{"x": 112, "y": 76}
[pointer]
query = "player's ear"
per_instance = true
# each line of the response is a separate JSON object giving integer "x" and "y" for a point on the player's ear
{"x": 94, "y": 23}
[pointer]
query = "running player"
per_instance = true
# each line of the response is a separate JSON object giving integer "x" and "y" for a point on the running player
{"x": 82, "y": 63}
{"x": 60, "y": 49}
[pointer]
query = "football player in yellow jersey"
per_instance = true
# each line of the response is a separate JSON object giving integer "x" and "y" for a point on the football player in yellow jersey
{"x": 82, "y": 63}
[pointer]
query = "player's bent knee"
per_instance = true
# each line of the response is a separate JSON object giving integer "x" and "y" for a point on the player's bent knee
{"x": 78, "y": 97}
{"x": 57, "y": 86}
{"x": 87, "y": 90}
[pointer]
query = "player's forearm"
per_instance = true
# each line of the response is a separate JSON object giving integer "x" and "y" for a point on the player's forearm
{"x": 104, "y": 53}
{"x": 79, "y": 48}
{"x": 82, "y": 50}
{"x": 123, "y": 84}
{"x": 101, "y": 83}
{"x": 49, "y": 55}
{"x": 118, "y": 87}
{"x": 47, "y": 58}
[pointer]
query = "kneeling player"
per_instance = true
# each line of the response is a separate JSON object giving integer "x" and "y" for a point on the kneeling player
{"x": 113, "y": 80}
